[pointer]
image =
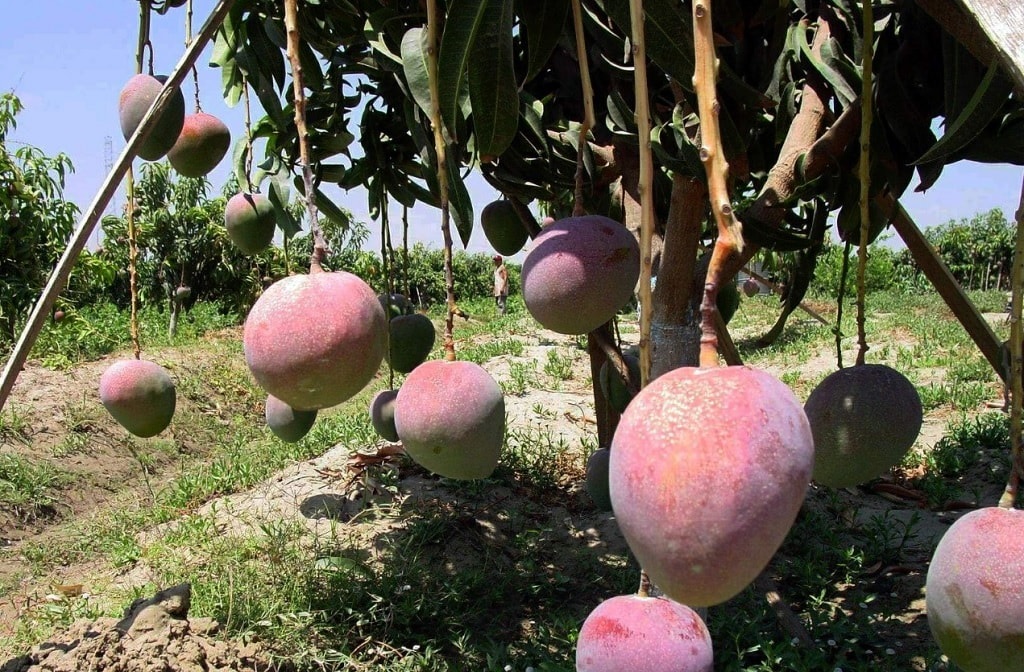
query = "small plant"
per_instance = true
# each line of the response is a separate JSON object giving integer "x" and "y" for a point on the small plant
{"x": 965, "y": 442}
{"x": 13, "y": 424}
{"x": 28, "y": 488}
{"x": 558, "y": 366}
{"x": 522, "y": 376}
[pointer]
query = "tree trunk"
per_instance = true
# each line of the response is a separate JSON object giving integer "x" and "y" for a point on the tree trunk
{"x": 172, "y": 327}
{"x": 675, "y": 323}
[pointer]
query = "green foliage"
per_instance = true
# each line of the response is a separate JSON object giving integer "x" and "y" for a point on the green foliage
{"x": 880, "y": 273}
{"x": 978, "y": 251}
{"x": 181, "y": 241}
{"x": 966, "y": 440}
{"x": 473, "y": 274}
{"x": 28, "y": 488}
{"x": 35, "y": 220}
{"x": 95, "y": 330}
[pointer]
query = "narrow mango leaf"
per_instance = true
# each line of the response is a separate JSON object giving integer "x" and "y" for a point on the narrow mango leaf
{"x": 460, "y": 205}
{"x": 313, "y": 76}
{"x": 543, "y": 22}
{"x": 493, "y": 92}
{"x": 414, "y": 65}
{"x": 240, "y": 153}
{"x": 279, "y": 194}
{"x": 326, "y": 145}
{"x": 325, "y": 205}
{"x": 667, "y": 32}
{"x": 331, "y": 172}
{"x": 462, "y": 25}
{"x": 269, "y": 56}
{"x": 990, "y": 96}
{"x": 842, "y": 89}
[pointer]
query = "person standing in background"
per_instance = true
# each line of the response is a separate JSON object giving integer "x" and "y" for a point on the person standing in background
{"x": 500, "y": 283}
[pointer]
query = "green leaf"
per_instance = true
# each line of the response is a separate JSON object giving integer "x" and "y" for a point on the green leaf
{"x": 840, "y": 87}
{"x": 460, "y": 205}
{"x": 461, "y": 27}
{"x": 668, "y": 35}
{"x": 278, "y": 193}
{"x": 326, "y": 145}
{"x": 543, "y": 22}
{"x": 325, "y": 205}
{"x": 990, "y": 96}
{"x": 414, "y": 65}
{"x": 493, "y": 92}
{"x": 313, "y": 76}
{"x": 269, "y": 57}
{"x": 240, "y": 153}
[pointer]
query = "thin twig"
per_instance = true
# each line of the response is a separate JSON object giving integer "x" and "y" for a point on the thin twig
{"x": 645, "y": 184}
{"x": 188, "y": 41}
{"x": 865, "y": 175}
{"x": 405, "y": 252}
{"x": 291, "y": 22}
{"x": 248, "y": 135}
{"x": 1009, "y": 497}
{"x": 729, "y": 243}
{"x": 588, "y": 105}
{"x": 433, "y": 35}
{"x": 611, "y": 351}
{"x": 133, "y": 236}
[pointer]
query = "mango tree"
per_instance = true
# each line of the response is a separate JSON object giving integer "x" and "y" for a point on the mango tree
{"x": 35, "y": 220}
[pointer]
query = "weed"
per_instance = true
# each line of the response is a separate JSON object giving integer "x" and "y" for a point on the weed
{"x": 522, "y": 377}
{"x": 558, "y": 366}
{"x": 482, "y": 352}
{"x": 13, "y": 424}
{"x": 28, "y": 488}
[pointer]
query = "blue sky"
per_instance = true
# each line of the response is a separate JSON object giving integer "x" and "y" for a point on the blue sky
{"x": 67, "y": 61}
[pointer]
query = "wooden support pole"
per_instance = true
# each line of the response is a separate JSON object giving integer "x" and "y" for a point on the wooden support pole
{"x": 948, "y": 288}
{"x": 59, "y": 277}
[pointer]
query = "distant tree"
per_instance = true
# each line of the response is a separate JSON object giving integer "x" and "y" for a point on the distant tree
{"x": 35, "y": 220}
{"x": 183, "y": 243}
{"x": 978, "y": 251}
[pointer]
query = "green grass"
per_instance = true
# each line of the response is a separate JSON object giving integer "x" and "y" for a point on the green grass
{"x": 28, "y": 488}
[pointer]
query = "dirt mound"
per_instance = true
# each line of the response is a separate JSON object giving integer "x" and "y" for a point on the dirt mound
{"x": 156, "y": 635}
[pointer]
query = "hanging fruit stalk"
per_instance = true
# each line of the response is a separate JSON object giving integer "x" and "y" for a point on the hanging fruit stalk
{"x": 588, "y": 105}
{"x": 248, "y": 139}
{"x": 1016, "y": 343}
{"x": 291, "y": 21}
{"x": 729, "y": 243}
{"x": 644, "y": 185}
{"x": 433, "y": 30}
{"x": 133, "y": 245}
{"x": 865, "y": 175}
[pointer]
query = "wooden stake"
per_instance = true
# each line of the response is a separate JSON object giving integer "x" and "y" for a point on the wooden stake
{"x": 645, "y": 184}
